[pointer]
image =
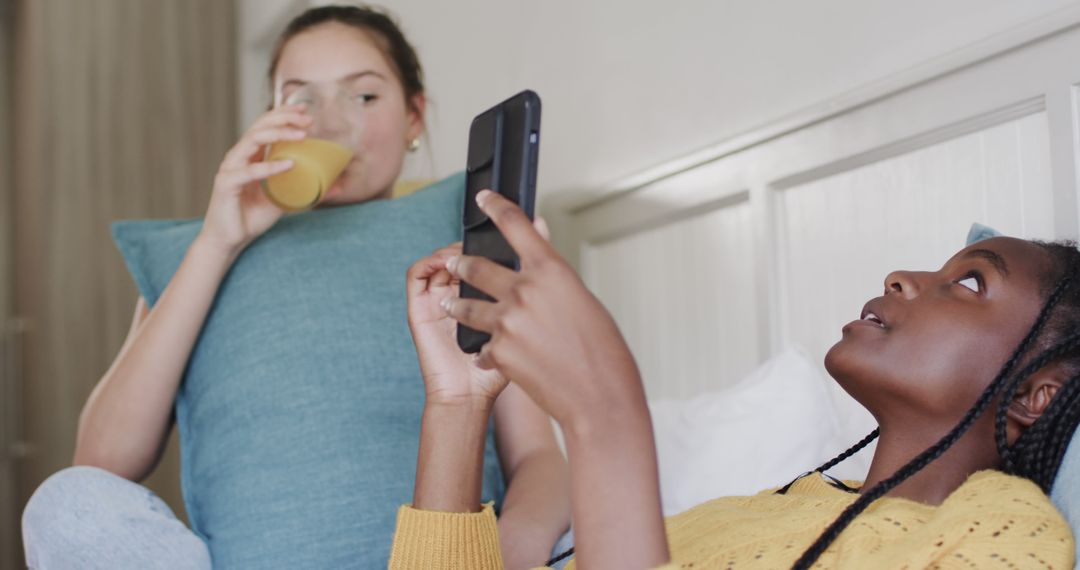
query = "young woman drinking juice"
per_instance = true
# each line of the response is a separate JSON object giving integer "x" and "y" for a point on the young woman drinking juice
{"x": 124, "y": 426}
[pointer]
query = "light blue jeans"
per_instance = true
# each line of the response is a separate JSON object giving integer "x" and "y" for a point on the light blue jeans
{"x": 85, "y": 517}
{"x": 88, "y": 518}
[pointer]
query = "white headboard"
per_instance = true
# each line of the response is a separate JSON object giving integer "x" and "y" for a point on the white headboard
{"x": 715, "y": 262}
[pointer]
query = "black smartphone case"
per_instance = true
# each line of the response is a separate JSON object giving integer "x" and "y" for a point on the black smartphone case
{"x": 504, "y": 144}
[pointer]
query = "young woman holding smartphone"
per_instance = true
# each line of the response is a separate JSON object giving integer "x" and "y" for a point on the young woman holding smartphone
{"x": 972, "y": 372}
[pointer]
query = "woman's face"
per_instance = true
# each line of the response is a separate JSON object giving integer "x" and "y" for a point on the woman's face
{"x": 338, "y": 56}
{"x": 928, "y": 347}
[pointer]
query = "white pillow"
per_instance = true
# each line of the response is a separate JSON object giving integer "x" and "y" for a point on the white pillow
{"x": 782, "y": 420}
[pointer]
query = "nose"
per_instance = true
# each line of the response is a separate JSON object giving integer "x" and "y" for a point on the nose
{"x": 332, "y": 121}
{"x": 904, "y": 283}
{"x": 339, "y": 118}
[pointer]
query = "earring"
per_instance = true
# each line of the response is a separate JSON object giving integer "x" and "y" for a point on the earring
{"x": 414, "y": 145}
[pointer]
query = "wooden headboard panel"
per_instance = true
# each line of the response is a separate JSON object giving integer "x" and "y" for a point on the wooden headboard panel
{"x": 713, "y": 263}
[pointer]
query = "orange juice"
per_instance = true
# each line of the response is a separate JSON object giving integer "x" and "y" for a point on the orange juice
{"x": 316, "y": 165}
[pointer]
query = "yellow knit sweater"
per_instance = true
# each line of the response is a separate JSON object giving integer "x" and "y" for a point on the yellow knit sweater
{"x": 992, "y": 521}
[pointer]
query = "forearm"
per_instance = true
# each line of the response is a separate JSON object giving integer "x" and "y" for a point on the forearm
{"x": 536, "y": 510}
{"x": 449, "y": 468}
{"x": 126, "y": 420}
{"x": 615, "y": 488}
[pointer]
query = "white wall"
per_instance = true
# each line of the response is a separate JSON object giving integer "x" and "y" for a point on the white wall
{"x": 259, "y": 22}
{"x": 626, "y": 85}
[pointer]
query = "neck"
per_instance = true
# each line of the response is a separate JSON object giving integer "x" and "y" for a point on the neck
{"x": 935, "y": 482}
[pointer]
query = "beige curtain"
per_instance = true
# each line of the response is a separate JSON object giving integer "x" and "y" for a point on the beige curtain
{"x": 8, "y": 411}
{"x": 123, "y": 110}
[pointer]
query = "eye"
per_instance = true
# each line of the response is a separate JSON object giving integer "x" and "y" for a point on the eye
{"x": 972, "y": 282}
{"x": 365, "y": 97}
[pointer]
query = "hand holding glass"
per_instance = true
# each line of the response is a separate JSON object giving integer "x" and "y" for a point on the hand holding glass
{"x": 318, "y": 160}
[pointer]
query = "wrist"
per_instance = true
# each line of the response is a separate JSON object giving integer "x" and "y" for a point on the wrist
{"x": 461, "y": 406}
{"x": 206, "y": 245}
{"x": 617, "y": 421}
{"x": 614, "y": 450}
{"x": 449, "y": 468}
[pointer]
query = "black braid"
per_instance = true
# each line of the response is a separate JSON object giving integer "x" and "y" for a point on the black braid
{"x": 1063, "y": 348}
{"x": 849, "y": 451}
{"x": 933, "y": 452}
{"x": 562, "y": 556}
{"x": 1038, "y": 452}
{"x": 835, "y": 460}
{"x": 1065, "y": 254}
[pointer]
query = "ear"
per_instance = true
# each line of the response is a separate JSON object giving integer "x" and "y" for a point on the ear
{"x": 1035, "y": 395}
{"x": 416, "y": 110}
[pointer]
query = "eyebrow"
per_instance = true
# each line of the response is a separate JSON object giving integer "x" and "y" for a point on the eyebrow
{"x": 996, "y": 260}
{"x": 349, "y": 77}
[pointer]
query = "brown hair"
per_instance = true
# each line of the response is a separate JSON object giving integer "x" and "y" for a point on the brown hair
{"x": 386, "y": 33}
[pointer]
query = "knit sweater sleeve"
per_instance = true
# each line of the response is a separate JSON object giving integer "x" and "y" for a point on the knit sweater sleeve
{"x": 433, "y": 540}
{"x": 446, "y": 541}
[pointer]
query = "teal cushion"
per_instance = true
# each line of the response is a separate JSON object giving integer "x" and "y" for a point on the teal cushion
{"x": 1066, "y": 491}
{"x": 979, "y": 232}
{"x": 300, "y": 408}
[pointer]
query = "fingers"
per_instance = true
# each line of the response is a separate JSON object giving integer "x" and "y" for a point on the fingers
{"x": 515, "y": 227}
{"x": 542, "y": 228}
{"x": 484, "y": 274}
{"x": 271, "y": 135}
{"x": 251, "y": 149}
{"x": 475, "y": 314}
{"x": 445, "y": 278}
{"x": 284, "y": 115}
{"x": 250, "y": 145}
{"x": 427, "y": 273}
{"x": 284, "y": 123}
{"x": 441, "y": 279}
{"x": 253, "y": 172}
{"x": 431, "y": 272}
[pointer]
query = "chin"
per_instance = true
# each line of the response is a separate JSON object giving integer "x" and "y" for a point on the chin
{"x": 844, "y": 364}
{"x": 345, "y": 193}
{"x": 864, "y": 373}
{"x": 834, "y": 360}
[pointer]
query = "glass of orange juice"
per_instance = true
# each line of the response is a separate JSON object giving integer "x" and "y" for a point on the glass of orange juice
{"x": 318, "y": 160}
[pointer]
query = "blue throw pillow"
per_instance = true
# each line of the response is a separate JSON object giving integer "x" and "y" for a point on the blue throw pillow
{"x": 979, "y": 232}
{"x": 1066, "y": 491}
{"x": 299, "y": 411}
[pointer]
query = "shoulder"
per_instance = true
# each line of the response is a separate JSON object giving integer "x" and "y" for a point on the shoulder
{"x": 1000, "y": 496}
{"x": 998, "y": 515}
{"x": 1001, "y": 492}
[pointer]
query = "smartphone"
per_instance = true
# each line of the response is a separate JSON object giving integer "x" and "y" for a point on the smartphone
{"x": 504, "y": 145}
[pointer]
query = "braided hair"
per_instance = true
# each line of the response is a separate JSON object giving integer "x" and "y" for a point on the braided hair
{"x": 1038, "y": 452}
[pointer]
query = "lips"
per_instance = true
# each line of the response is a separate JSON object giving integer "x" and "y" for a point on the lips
{"x": 872, "y": 313}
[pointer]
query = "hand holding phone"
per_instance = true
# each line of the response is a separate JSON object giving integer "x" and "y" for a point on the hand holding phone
{"x": 504, "y": 144}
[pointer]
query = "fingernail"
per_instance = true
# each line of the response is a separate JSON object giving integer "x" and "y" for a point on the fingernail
{"x": 482, "y": 196}
{"x": 445, "y": 303}
{"x": 287, "y": 163}
{"x": 452, "y": 263}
